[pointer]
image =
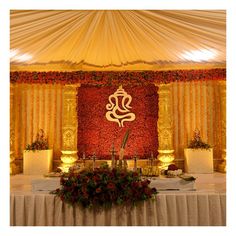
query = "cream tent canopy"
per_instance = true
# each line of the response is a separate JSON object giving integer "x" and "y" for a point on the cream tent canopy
{"x": 116, "y": 39}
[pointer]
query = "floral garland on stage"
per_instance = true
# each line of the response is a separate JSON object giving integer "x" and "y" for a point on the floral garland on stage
{"x": 111, "y": 78}
{"x": 104, "y": 187}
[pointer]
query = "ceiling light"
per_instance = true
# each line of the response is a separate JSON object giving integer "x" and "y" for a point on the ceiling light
{"x": 199, "y": 55}
{"x": 13, "y": 53}
{"x": 16, "y": 56}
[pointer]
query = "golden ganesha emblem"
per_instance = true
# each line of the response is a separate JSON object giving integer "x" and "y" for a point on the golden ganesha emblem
{"x": 119, "y": 107}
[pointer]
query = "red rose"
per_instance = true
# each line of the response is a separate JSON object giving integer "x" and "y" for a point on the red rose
{"x": 111, "y": 185}
{"x": 98, "y": 190}
{"x": 96, "y": 178}
{"x": 135, "y": 184}
{"x": 147, "y": 191}
{"x": 84, "y": 189}
{"x": 172, "y": 167}
{"x": 145, "y": 183}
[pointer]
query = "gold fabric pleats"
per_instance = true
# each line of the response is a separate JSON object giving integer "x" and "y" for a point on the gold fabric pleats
{"x": 196, "y": 105}
{"x": 37, "y": 107}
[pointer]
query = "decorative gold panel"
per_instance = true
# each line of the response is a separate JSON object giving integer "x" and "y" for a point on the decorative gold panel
{"x": 69, "y": 138}
{"x": 165, "y": 123}
{"x": 12, "y": 134}
{"x": 69, "y": 126}
{"x": 69, "y": 105}
{"x": 222, "y": 166}
{"x": 165, "y": 126}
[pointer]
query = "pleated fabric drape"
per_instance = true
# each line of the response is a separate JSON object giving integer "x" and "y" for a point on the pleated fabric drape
{"x": 170, "y": 209}
{"x": 196, "y": 105}
{"x": 37, "y": 107}
{"x": 115, "y": 39}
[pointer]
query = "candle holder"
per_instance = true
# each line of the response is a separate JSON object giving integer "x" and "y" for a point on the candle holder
{"x": 113, "y": 159}
{"x": 151, "y": 160}
{"x": 84, "y": 160}
{"x": 94, "y": 160}
{"x": 135, "y": 162}
{"x": 151, "y": 169}
{"x": 122, "y": 164}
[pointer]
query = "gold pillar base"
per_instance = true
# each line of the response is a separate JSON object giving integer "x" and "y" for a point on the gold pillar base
{"x": 165, "y": 157}
{"x": 68, "y": 159}
{"x": 13, "y": 167}
{"x": 222, "y": 166}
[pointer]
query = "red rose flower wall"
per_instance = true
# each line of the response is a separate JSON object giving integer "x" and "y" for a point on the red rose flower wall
{"x": 96, "y": 134}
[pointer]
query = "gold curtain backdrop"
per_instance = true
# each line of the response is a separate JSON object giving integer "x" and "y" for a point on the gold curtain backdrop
{"x": 37, "y": 106}
{"x": 195, "y": 105}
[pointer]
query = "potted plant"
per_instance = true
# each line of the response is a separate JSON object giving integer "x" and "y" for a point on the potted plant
{"x": 198, "y": 156}
{"x": 37, "y": 157}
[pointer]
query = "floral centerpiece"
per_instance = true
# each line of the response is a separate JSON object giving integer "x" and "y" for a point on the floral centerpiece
{"x": 197, "y": 143}
{"x": 103, "y": 187}
{"x": 41, "y": 142}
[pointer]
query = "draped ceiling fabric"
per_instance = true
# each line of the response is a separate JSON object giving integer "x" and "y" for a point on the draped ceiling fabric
{"x": 67, "y": 40}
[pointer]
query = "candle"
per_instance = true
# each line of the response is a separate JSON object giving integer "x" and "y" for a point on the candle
{"x": 151, "y": 158}
{"x": 135, "y": 163}
{"x": 112, "y": 156}
{"x": 94, "y": 158}
{"x": 84, "y": 158}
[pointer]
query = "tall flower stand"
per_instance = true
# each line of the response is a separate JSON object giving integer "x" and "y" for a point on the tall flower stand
{"x": 198, "y": 161}
{"x": 37, "y": 162}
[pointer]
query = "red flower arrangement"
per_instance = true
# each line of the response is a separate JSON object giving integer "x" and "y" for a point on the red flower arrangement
{"x": 104, "y": 187}
{"x": 41, "y": 142}
{"x": 96, "y": 134}
{"x": 197, "y": 143}
{"x": 111, "y": 78}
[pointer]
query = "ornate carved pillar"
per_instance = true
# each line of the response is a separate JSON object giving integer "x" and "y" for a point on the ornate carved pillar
{"x": 222, "y": 166}
{"x": 12, "y": 135}
{"x": 69, "y": 126}
{"x": 165, "y": 126}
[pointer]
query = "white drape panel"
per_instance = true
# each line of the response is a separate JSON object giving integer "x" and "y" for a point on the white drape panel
{"x": 115, "y": 38}
{"x": 167, "y": 209}
{"x": 196, "y": 105}
{"x": 37, "y": 107}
